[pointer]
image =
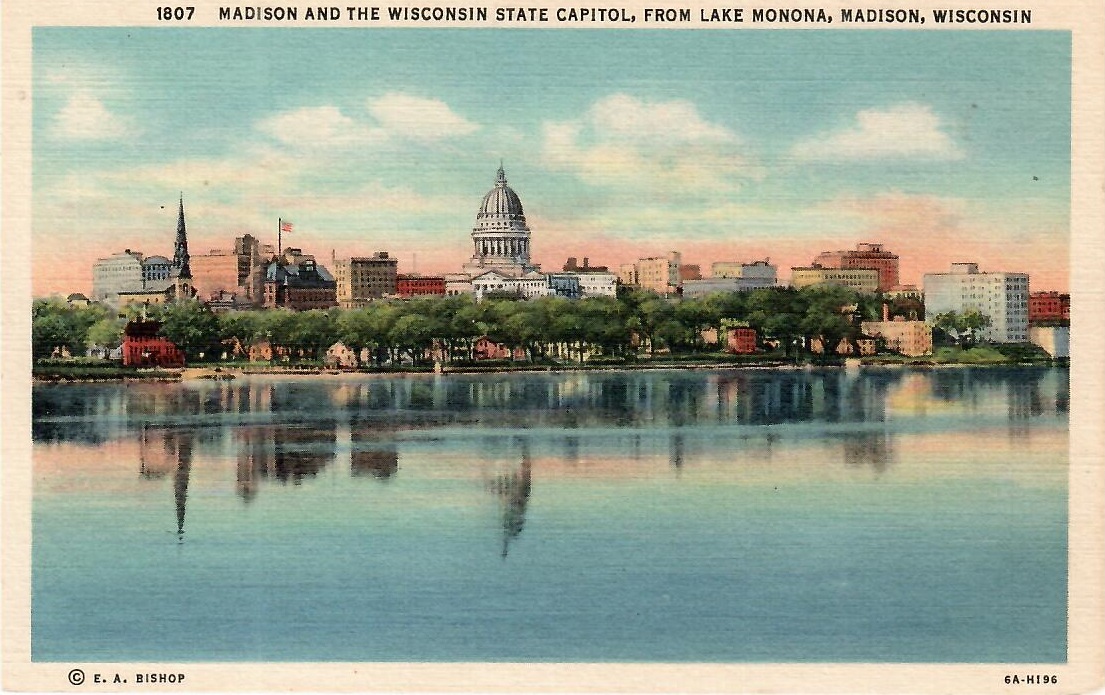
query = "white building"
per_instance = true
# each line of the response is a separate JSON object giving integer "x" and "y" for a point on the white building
{"x": 500, "y": 237}
{"x": 121, "y": 272}
{"x": 1001, "y": 296}
{"x": 597, "y": 284}
{"x": 529, "y": 286}
{"x": 1055, "y": 340}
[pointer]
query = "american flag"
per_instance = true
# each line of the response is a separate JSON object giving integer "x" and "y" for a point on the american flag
{"x": 285, "y": 226}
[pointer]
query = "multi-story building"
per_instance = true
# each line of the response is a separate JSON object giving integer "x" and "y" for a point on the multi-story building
{"x": 573, "y": 266}
{"x": 564, "y": 285}
{"x": 859, "y": 279}
{"x": 627, "y": 274}
{"x": 418, "y": 285}
{"x": 865, "y": 255}
{"x": 215, "y": 272}
{"x": 299, "y": 285}
{"x": 1055, "y": 340}
{"x": 1048, "y": 307}
{"x": 596, "y": 283}
{"x": 732, "y": 276}
{"x": 129, "y": 277}
{"x": 529, "y": 286}
{"x": 1003, "y": 297}
{"x": 143, "y": 346}
{"x": 905, "y": 292}
{"x": 120, "y": 272}
{"x": 360, "y": 279}
{"x": 909, "y": 338}
{"x": 757, "y": 270}
{"x": 690, "y": 271}
{"x": 157, "y": 272}
{"x": 657, "y": 273}
{"x": 237, "y": 272}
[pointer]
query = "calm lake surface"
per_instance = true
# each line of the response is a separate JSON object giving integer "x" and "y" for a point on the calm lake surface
{"x": 686, "y": 516}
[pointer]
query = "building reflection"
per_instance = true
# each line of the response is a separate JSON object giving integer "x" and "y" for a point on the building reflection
{"x": 283, "y": 452}
{"x": 513, "y": 490}
{"x": 874, "y": 449}
{"x": 96, "y": 413}
{"x": 373, "y": 452}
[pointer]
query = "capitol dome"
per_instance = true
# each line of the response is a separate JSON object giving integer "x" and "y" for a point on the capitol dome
{"x": 501, "y": 208}
{"x": 500, "y": 237}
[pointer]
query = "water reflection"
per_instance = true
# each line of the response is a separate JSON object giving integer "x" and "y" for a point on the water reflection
{"x": 874, "y": 449}
{"x": 373, "y": 452}
{"x": 513, "y": 490}
{"x": 95, "y": 413}
{"x": 182, "y": 442}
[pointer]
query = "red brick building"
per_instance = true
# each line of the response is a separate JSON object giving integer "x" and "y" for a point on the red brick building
{"x": 1048, "y": 307}
{"x": 418, "y": 285}
{"x": 740, "y": 340}
{"x": 865, "y": 256}
{"x": 143, "y": 347}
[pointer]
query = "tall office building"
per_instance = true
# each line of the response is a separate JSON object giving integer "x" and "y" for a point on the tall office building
{"x": 1003, "y": 297}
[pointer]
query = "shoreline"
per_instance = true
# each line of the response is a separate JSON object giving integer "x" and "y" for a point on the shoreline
{"x": 217, "y": 373}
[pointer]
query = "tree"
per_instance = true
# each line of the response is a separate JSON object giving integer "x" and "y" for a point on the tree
{"x": 962, "y": 329}
{"x": 776, "y": 313}
{"x": 314, "y": 332}
{"x": 414, "y": 334}
{"x": 192, "y": 327}
{"x": 57, "y": 325}
{"x": 107, "y": 332}
{"x": 829, "y": 315}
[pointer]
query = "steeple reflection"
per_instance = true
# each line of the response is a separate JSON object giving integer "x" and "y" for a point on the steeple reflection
{"x": 180, "y": 481}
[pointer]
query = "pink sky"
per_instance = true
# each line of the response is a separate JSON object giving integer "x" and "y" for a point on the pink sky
{"x": 60, "y": 270}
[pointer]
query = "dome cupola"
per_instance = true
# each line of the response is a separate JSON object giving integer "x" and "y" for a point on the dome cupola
{"x": 501, "y": 208}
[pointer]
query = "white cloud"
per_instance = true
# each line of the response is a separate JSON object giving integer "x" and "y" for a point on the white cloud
{"x": 907, "y": 130}
{"x": 313, "y": 126}
{"x": 416, "y": 118}
{"x": 392, "y": 118}
{"x": 658, "y": 148}
{"x": 84, "y": 117}
{"x": 623, "y": 117}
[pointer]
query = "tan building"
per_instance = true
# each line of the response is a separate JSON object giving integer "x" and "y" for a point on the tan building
{"x": 859, "y": 279}
{"x": 661, "y": 274}
{"x": 865, "y": 255}
{"x": 214, "y": 272}
{"x": 239, "y": 271}
{"x": 909, "y": 338}
{"x": 364, "y": 278}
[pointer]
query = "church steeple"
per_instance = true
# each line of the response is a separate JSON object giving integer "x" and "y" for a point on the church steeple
{"x": 180, "y": 252}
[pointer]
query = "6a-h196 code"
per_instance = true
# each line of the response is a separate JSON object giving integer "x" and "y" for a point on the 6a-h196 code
{"x": 1031, "y": 679}
{"x": 169, "y": 14}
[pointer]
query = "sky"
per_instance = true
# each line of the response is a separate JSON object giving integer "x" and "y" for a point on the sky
{"x": 724, "y": 144}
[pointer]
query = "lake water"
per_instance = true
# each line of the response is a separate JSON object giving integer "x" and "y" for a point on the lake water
{"x": 884, "y": 515}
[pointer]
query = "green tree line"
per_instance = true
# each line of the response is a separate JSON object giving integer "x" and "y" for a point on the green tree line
{"x": 406, "y": 330}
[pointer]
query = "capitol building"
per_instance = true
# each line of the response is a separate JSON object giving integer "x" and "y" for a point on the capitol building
{"x": 501, "y": 263}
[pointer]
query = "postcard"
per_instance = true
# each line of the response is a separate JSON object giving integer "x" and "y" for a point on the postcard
{"x": 553, "y": 347}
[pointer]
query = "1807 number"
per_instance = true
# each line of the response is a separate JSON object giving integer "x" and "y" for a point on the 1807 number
{"x": 169, "y": 14}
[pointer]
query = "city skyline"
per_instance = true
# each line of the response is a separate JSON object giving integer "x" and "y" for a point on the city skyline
{"x": 737, "y": 146}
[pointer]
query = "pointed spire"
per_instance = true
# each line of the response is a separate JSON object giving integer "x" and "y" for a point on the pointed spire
{"x": 180, "y": 252}
{"x": 500, "y": 178}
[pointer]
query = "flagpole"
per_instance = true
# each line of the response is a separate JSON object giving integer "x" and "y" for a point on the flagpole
{"x": 279, "y": 237}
